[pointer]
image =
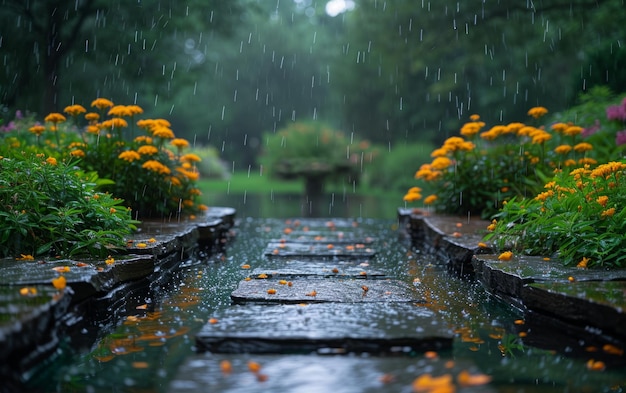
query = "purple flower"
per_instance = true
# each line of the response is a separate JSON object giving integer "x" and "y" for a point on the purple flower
{"x": 617, "y": 112}
{"x": 591, "y": 130}
{"x": 620, "y": 138}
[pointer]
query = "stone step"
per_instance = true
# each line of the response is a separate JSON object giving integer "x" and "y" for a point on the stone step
{"x": 324, "y": 328}
{"x": 299, "y": 269}
{"x": 324, "y": 290}
{"x": 320, "y": 237}
{"x": 601, "y": 302}
{"x": 319, "y": 250}
{"x": 86, "y": 277}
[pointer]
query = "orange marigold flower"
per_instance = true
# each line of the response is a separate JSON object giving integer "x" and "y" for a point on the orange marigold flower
{"x": 51, "y": 161}
{"x": 412, "y": 197}
{"x": 474, "y": 117}
{"x": 179, "y": 143}
{"x": 134, "y": 110}
{"x": 143, "y": 139}
{"x": 603, "y": 200}
{"x": 583, "y": 263}
{"x": 93, "y": 129}
{"x": 101, "y": 103}
{"x": 37, "y": 129}
{"x": 492, "y": 227}
{"x": 129, "y": 155}
{"x": 55, "y": 118}
{"x": 537, "y": 112}
{"x": 429, "y": 200}
{"x": 147, "y": 150}
{"x": 119, "y": 111}
{"x": 573, "y": 131}
{"x": 191, "y": 175}
{"x": 116, "y": 122}
{"x": 92, "y": 116}
{"x": 162, "y": 132}
{"x": 156, "y": 166}
{"x": 559, "y": 127}
{"x": 441, "y": 152}
{"x": 583, "y": 147}
{"x": 562, "y": 149}
{"x": 77, "y": 153}
{"x": 74, "y": 110}
{"x": 608, "y": 213}
{"x": 540, "y": 137}
{"x": 441, "y": 163}
{"x": 190, "y": 157}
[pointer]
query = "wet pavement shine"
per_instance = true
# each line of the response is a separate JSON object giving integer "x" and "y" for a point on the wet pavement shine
{"x": 364, "y": 311}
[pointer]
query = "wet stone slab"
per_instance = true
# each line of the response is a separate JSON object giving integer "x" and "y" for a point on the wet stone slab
{"x": 27, "y": 312}
{"x": 302, "y": 269}
{"x": 324, "y": 328}
{"x": 86, "y": 277}
{"x": 324, "y": 290}
{"x": 319, "y": 250}
{"x": 509, "y": 277}
{"x": 598, "y": 304}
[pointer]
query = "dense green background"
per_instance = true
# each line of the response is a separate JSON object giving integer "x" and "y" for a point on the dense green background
{"x": 394, "y": 72}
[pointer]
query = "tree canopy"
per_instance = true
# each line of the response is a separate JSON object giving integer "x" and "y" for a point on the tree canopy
{"x": 226, "y": 72}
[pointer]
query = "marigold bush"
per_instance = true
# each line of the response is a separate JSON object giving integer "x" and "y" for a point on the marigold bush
{"x": 479, "y": 170}
{"x": 150, "y": 168}
{"x": 580, "y": 217}
{"x": 52, "y": 207}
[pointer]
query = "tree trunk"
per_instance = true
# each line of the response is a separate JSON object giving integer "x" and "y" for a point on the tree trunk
{"x": 314, "y": 185}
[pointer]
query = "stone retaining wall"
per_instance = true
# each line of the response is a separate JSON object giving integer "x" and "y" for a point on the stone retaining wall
{"x": 563, "y": 305}
{"x": 34, "y": 315}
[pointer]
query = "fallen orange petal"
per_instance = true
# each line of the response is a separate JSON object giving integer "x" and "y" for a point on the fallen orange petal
{"x": 506, "y": 256}
{"x": 428, "y": 383}
{"x": 254, "y": 366}
{"x": 140, "y": 364}
{"x": 226, "y": 367}
{"x": 271, "y": 291}
{"x": 245, "y": 266}
{"x": 59, "y": 282}
{"x": 28, "y": 291}
{"x": 466, "y": 379}
{"x": 142, "y": 307}
{"x": 212, "y": 321}
{"x": 61, "y": 269}
{"x": 595, "y": 365}
{"x": 612, "y": 349}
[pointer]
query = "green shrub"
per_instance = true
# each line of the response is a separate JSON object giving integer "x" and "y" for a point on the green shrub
{"x": 317, "y": 153}
{"x": 475, "y": 173}
{"x": 581, "y": 216}
{"x": 148, "y": 165}
{"x": 393, "y": 170}
{"x": 50, "y": 207}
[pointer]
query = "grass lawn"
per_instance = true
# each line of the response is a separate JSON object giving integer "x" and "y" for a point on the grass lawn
{"x": 256, "y": 183}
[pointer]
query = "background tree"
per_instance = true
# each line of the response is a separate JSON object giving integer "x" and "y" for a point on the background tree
{"x": 415, "y": 70}
{"x": 60, "y": 50}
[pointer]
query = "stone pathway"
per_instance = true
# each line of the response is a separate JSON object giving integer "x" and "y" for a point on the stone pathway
{"x": 319, "y": 290}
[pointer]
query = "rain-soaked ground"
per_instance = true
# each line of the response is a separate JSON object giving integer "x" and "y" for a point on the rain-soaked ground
{"x": 151, "y": 345}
